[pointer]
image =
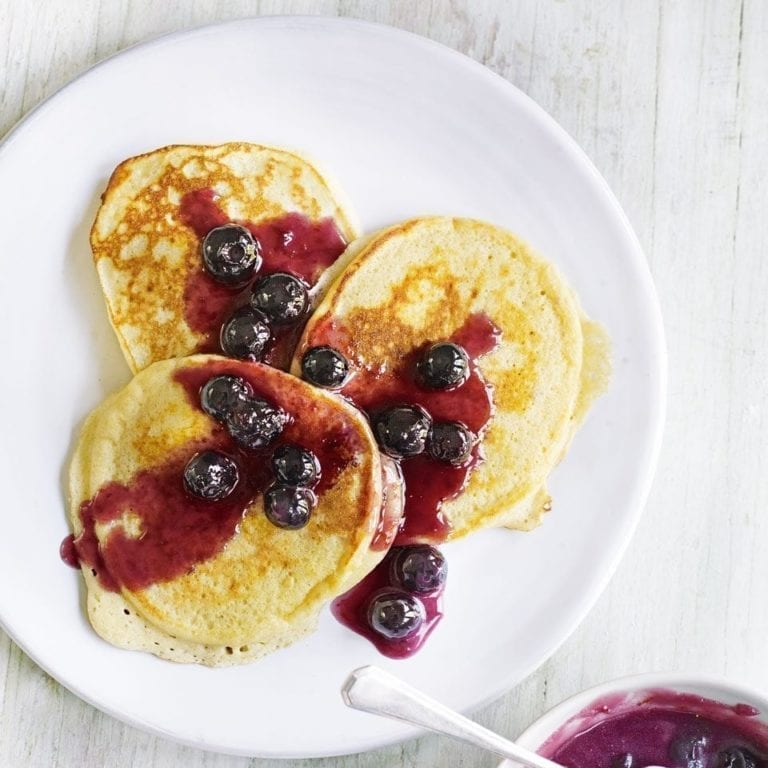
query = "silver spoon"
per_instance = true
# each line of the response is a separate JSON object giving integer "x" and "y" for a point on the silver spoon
{"x": 373, "y": 690}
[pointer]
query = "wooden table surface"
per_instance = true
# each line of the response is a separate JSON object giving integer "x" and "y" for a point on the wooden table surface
{"x": 670, "y": 101}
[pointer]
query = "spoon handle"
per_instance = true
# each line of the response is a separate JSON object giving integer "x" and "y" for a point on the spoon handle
{"x": 371, "y": 689}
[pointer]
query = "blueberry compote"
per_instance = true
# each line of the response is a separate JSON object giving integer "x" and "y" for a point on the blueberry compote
{"x": 430, "y": 413}
{"x": 399, "y": 603}
{"x": 291, "y": 244}
{"x": 661, "y": 727}
{"x": 167, "y": 530}
{"x": 428, "y": 481}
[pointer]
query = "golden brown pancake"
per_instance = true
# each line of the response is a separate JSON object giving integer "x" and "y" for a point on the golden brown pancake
{"x": 440, "y": 278}
{"x": 154, "y": 214}
{"x": 216, "y": 582}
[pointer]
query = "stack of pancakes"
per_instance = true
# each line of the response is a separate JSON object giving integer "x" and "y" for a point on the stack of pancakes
{"x": 392, "y": 292}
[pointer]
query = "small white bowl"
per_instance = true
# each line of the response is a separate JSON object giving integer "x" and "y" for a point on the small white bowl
{"x": 715, "y": 688}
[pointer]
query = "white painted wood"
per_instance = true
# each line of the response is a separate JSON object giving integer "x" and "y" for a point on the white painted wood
{"x": 669, "y": 100}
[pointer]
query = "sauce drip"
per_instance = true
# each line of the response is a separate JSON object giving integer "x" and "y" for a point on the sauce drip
{"x": 165, "y": 531}
{"x": 351, "y": 610}
{"x": 291, "y": 243}
{"x": 68, "y": 553}
{"x": 428, "y": 482}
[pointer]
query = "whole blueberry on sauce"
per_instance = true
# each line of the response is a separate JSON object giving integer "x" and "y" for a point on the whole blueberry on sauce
{"x": 396, "y": 615}
{"x": 211, "y": 475}
{"x": 220, "y": 395}
{"x": 449, "y": 441}
{"x": 289, "y": 507}
{"x": 401, "y": 431}
{"x": 324, "y": 367}
{"x": 281, "y": 297}
{"x": 420, "y": 570}
{"x": 245, "y": 335}
{"x": 443, "y": 366}
{"x": 256, "y": 423}
{"x": 294, "y": 465}
{"x": 231, "y": 255}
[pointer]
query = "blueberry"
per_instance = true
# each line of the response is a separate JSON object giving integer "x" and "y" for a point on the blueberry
{"x": 736, "y": 757}
{"x": 402, "y": 431}
{"x": 231, "y": 255}
{"x": 245, "y": 335}
{"x": 255, "y": 423}
{"x": 220, "y": 394}
{"x": 689, "y": 750}
{"x": 420, "y": 569}
{"x": 293, "y": 465}
{"x": 283, "y": 298}
{"x": 449, "y": 441}
{"x": 624, "y": 760}
{"x": 324, "y": 367}
{"x": 288, "y": 507}
{"x": 395, "y": 614}
{"x": 210, "y": 475}
{"x": 443, "y": 366}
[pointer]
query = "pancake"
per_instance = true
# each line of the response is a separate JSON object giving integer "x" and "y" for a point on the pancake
{"x": 158, "y": 207}
{"x": 539, "y": 362}
{"x": 216, "y": 582}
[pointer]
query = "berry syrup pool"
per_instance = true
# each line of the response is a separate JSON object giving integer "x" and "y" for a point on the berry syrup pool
{"x": 664, "y": 728}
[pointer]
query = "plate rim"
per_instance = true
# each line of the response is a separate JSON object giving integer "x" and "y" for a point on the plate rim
{"x": 655, "y": 327}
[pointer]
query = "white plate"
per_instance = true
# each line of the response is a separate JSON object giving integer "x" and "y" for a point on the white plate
{"x": 406, "y": 127}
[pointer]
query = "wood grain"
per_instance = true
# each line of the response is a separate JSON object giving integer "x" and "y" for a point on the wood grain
{"x": 669, "y": 101}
